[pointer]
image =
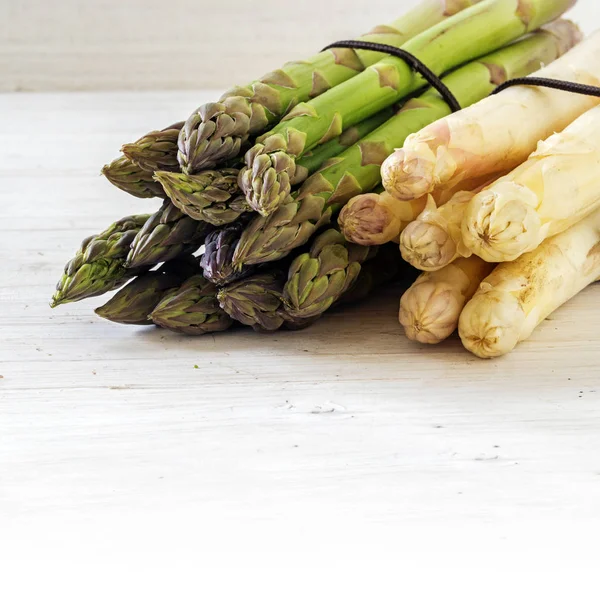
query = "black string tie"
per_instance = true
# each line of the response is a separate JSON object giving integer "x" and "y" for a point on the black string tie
{"x": 416, "y": 65}
{"x": 555, "y": 84}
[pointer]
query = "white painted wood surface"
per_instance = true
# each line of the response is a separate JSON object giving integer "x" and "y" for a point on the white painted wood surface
{"x": 191, "y": 44}
{"x": 342, "y": 454}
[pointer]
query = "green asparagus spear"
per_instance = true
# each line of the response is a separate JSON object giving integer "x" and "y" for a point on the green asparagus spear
{"x": 217, "y": 260}
{"x": 256, "y": 300}
{"x": 131, "y": 178}
{"x": 192, "y": 309}
{"x": 211, "y": 196}
{"x": 166, "y": 235}
{"x": 217, "y": 131}
{"x": 357, "y": 170}
{"x": 271, "y": 163}
{"x": 156, "y": 151}
{"x": 99, "y": 265}
{"x": 133, "y": 304}
{"x": 319, "y": 278}
{"x": 313, "y": 160}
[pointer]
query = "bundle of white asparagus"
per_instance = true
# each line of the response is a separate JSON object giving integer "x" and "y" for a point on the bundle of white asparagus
{"x": 499, "y": 206}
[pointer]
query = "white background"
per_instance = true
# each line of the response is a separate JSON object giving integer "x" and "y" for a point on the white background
{"x": 178, "y": 44}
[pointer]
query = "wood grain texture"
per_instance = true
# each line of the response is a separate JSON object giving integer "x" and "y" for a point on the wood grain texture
{"x": 337, "y": 446}
{"x": 182, "y": 44}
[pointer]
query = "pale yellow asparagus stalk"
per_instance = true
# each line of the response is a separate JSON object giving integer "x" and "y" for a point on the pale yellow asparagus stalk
{"x": 434, "y": 239}
{"x": 430, "y": 309}
{"x": 520, "y": 295}
{"x": 496, "y": 134}
{"x": 557, "y": 187}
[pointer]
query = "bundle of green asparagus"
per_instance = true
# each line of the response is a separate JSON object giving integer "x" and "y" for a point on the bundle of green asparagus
{"x": 251, "y": 185}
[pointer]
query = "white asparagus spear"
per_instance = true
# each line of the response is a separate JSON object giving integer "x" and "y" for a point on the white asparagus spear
{"x": 554, "y": 189}
{"x": 431, "y": 307}
{"x": 519, "y": 295}
{"x": 496, "y": 134}
{"x": 434, "y": 239}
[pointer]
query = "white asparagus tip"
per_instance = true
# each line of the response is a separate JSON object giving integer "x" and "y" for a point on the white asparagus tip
{"x": 429, "y": 311}
{"x": 501, "y": 223}
{"x": 407, "y": 178}
{"x": 491, "y": 322}
{"x": 427, "y": 246}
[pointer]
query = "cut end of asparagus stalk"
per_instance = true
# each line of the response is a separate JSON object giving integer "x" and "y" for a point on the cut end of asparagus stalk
{"x": 427, "y": 246}
{"x": 491, "y": 322}
{"x": 429, "y": 311}
{"x": 501, "y": 223}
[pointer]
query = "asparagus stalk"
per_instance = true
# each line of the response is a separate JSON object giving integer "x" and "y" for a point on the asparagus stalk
{"x": 216, "y": 132}
{"x": 318, "y": 278}
{"x": 317, "y": 158}
{"x": 257, "y": 301}
{"x": 156, "y": 151}
{"x": 217, "y": 260}
{"x": 499, "y": 133}
{"x": 271, "y": 163}
{"x": 167, "y": 234}
{"x": 99, "y": 264}
{"x": 550, "y": 192}
{"x": 520, "y": 295}
{"x": 211, "y": 196}
{"x": 375, "y": 219}
{"x": 192, "y": 309}
{"x": 430, "y": 309}
{"x": 357, "y": 170}
{"x": 133, "y": 304}
{"x": 434, "y": 239}
{"x": 129, "y": 177}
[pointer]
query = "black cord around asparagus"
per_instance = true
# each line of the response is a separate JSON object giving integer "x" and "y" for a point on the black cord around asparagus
{"x": 555, "y": 84}
{"x": 416, "y": 65}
